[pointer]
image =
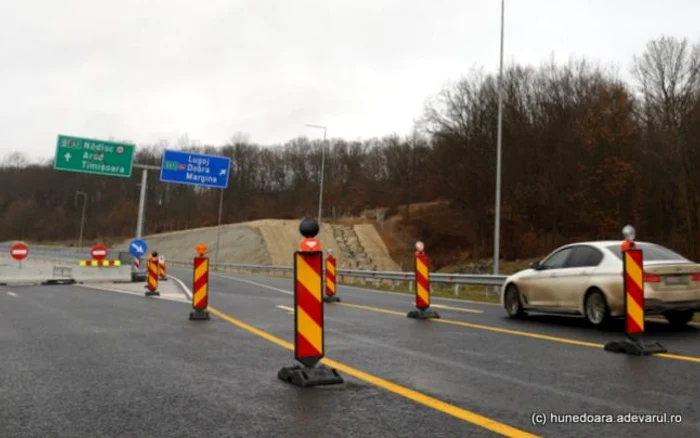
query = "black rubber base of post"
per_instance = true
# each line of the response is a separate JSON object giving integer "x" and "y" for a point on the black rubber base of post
{"x": 199, "y": 315}
{"x": 634, "y": 347}
{"x": 310, "y": 376}
{"x": 331, "y": 299}
{"x": 154, "y": 293}
{"x": 163, "y": 279}
{"x": 423, "y": 314}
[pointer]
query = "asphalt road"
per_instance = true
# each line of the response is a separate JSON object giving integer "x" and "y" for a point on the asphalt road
{"x": 475, "y": 359}
{"x": 80, "y": 362}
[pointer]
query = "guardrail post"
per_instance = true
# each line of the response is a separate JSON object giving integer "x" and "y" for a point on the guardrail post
{"x": 456, "y": 289}
{"x": 422, "y": 272}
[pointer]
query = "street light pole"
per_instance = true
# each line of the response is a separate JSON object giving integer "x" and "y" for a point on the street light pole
{"x": 82, "y": 218}
{"x": 497, "y": 212}
{"x": 323, "y": 160}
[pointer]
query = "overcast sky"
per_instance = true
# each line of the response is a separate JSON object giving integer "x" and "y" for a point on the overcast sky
{"x": 151, "y": 70}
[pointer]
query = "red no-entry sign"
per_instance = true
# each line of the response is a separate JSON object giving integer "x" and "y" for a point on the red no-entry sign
{"x": 98, "y": 252}
{"x": 19, "y": 251}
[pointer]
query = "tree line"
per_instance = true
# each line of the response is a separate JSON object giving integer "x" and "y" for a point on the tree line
{"x": 584, "y": 153}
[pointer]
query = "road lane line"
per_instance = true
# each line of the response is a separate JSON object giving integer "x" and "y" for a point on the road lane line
{"x": 12, "y": 294}
{"x": 458, "y": 309}
{"x": 440, "y": 306}
{"x": 254, "y": 283}
{"x": 462, "y": 414}
{"x": 287, "y": 308}
{"x": 516, "y": 332}
{"x": 418, "y": 397}
{"x": 477, "y": 326}
{"x": 379, "y": 291}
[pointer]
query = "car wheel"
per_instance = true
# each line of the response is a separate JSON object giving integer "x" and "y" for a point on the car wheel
{"x": 512, "y": 303}
{"x": 679, "y": 319}
{"x": 596, "y": 308}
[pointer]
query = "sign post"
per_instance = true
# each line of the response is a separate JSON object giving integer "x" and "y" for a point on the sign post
{"x": 100, "y": 157}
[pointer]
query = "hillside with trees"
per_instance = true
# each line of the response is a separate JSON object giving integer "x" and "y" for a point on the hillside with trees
{"x": 584, "y": 153}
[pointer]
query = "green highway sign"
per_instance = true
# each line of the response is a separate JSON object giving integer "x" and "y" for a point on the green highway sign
{"x": 86, "y": 155}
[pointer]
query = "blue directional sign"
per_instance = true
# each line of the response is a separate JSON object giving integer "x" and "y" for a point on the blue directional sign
{"x": 138, "y": 248}
{"x": 196, "y": 169}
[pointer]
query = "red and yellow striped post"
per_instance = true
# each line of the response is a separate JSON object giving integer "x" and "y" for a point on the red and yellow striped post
{"x": 634, "y": 291}
{"x": 633, "y": 296}
{"x": 330, "y": 280}
{"x": 200, "y": 294}
{"x": 152, "y": 282}
{"x": 308, "y": 316}
{"x": 422, "y": 272}
{"x": 162, "y": 274}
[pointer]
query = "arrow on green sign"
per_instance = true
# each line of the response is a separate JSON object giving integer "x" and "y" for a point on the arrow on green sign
{"x": 74, "y": 154}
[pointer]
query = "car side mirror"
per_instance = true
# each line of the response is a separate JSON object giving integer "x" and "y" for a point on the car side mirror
{"x": 536, "y": 266}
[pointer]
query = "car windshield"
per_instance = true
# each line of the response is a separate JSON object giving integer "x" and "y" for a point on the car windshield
{"x": 652, "y": 252}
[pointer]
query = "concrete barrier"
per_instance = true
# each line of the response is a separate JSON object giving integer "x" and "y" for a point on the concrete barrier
{"x": 89, "y": 274}
{"x": 33, "y": 272}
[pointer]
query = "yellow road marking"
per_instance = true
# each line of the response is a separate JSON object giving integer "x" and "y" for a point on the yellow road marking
{"x": 373, "y": 309}
{"x": 679, "y": 357}
{"x": 410, "y": 394}
{"x": 517, "y": 332}
{"x": 459, "y": 309}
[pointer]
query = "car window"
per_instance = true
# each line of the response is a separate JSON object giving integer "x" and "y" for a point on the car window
{"x": 557, "y": 260}
{"x": 652, "y": 252}
{"x": 584, "y": 256}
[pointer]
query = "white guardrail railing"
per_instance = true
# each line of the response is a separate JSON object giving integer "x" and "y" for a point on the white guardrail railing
{"x": 491, "y": 281}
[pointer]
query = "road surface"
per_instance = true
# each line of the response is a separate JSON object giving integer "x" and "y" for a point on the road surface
{"x": 80, "y": 361}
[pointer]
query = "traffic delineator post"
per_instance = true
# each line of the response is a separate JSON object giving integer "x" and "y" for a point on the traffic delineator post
{"x": 330, "y": 296}
{"x": 309, "y": 336}
{"x": 162, "y": 274}
{"x": 633, "y": 290}
{"x": 422, "y": 272}
{"x": 200, "y": 292}
{"x": 152, "y": 280}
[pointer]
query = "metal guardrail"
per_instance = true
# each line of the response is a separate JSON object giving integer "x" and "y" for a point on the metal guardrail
{"x": 393, "y": 276}
{"x": 490, "y": 281}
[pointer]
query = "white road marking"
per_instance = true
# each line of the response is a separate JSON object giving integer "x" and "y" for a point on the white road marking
{"x": 287, "y": 308}
{"x": 12, "y": 294}
{"x": 255, "y": 283}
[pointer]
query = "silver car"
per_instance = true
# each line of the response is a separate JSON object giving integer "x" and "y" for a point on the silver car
{"x": 586, "y": 279}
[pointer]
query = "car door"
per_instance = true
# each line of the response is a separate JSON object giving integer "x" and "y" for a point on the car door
{"x": 540, "y": 291}
{"x": 568, "y": 284}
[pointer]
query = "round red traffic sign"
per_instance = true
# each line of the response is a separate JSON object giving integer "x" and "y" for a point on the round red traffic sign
{"x": 98, "y": 252}
{"x": 19, "y": 251}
